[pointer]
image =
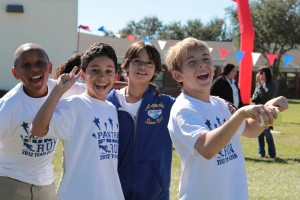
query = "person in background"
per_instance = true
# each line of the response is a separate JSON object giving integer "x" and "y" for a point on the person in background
{"x": 264, "y": 91}
{"x": 88, "y": 126}
{"x": 67, "y": 67}
{"x": 205, "y": 134}
{"x": 145, "y": 146}
{"x": 226, "y": 87}
{"x": 26, "y": 171}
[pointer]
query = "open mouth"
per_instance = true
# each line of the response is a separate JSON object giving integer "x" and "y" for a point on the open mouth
{"x": 36, "y": 78}
{"x": 142, "y": 73}
{"x": 101, "y": 86}
{"x": 203, "y": 76}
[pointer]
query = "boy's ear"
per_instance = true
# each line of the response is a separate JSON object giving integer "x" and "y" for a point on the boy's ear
{"x": 14, "y": 72}
{"x": 83, "y": 76}
{"x": 50, "y": 67}
{"x": 177, "y": 76}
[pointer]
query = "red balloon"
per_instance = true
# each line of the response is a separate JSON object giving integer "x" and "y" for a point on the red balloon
{"x": 246, "y": 45}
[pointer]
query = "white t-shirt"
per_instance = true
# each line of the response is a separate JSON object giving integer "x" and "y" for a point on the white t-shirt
{"x": 89, "y": 129}
{"x": 22, "y": 156}
{"x": 222, "y": 177}
{"x": 132, "y": 108}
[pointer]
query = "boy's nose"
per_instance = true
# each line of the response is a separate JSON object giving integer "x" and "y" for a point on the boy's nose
{"x": 100, "y": 75}
{"x": 35, "y": 68}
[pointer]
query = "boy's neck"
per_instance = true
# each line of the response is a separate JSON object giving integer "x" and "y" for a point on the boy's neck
{"x": 203, "y": 96}
{"x": 36, "y": 93}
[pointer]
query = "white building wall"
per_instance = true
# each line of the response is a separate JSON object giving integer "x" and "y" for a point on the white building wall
{"x": 50, "y": 23}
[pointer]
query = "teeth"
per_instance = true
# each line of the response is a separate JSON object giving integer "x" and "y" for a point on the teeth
{"x": 36, "y": 77}
{"x": 102, "y": 84}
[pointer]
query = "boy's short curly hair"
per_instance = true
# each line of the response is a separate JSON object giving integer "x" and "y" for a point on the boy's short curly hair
{"x": 97, "y": 50}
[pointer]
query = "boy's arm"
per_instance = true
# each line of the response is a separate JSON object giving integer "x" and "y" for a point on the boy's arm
{"x": 40, "y": 123}
{"x": 209, "y": 144}
{"x": 251, "y": 126}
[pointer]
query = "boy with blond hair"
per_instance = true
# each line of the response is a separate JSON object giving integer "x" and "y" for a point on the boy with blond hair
{"x": 204, "y": 132}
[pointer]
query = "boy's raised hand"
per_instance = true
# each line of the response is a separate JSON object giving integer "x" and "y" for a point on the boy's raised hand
{"x": 65, "y": 81}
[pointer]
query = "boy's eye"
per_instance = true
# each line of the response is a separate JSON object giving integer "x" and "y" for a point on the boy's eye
{"x": 140, "y": 63}
{"x": 109, "y": 71}
{"x": 26, "y": 65}
{"x": 36, "y": 64}
{"x": 191, "y": 62}
{"x": 40, "y": 63}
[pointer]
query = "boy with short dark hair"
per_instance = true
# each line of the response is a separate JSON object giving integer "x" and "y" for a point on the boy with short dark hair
{"x": 88, "y": 126}
{"x": 204, "y": 132}
{"x": 26, "y": 171}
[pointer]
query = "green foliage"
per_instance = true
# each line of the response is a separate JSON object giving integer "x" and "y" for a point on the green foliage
{"x": 194, "y": 28}
{"x": 173, "y": 31}
{"x": 213, "y": 30}
{"x": 152, "y": 27}
{"x": 146, "y": 27}
{"x": 276, "y": 27}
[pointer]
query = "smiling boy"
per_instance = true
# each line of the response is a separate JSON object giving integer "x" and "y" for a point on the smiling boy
{"x": 26, "y": 170}
{"x": 88, "y": 126}
{"x": 204, "y": 132}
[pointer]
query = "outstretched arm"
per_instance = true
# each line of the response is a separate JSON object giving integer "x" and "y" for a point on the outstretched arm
{"x": 209, "y": 144}
{"x": 40, "y": 123}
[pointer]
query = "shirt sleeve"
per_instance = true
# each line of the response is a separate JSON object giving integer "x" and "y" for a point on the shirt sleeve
{"x": 62, "y": 120}
{"x": 191, "y": 126}
{"x": 4, "y": 119}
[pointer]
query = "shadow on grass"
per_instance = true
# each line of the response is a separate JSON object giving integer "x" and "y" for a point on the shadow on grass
{"x": 271, "y": 160}
{"x": 292, "y": 123}
{"x": 293, "y": 101}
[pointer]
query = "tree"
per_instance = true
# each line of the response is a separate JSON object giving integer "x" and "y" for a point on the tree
{"x": 146, "y": 27}
{"x": 172, "y": 31}
{"x": 153, "y": 28}
{"x": 276, "y": 26}
{"x": 212, "y": 31}
{"x": 194, "y": 28}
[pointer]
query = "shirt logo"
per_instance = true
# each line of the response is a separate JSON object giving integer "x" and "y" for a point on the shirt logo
{"x": 227, "y": 153}
{"x": 34, "y": 146}
{"x": 154, "y": 114}
{"x": 107, "y": 137}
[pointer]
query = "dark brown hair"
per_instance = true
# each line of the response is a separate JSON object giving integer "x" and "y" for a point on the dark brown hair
{"x": 268, "y": 72}
{"x": 134, "y": 50}
{"x": 227, "y": 68}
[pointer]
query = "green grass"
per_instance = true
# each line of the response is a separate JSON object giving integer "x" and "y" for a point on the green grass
{"x": 267, "y": 178}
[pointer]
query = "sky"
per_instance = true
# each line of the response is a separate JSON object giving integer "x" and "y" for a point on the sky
{"x": 115, "y": 15}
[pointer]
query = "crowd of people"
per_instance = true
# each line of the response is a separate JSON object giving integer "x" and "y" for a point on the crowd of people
{"x": 118, "y": 135}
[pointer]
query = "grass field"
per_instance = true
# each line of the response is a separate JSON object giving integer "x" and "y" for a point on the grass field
{"x": 267, "y": 178}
